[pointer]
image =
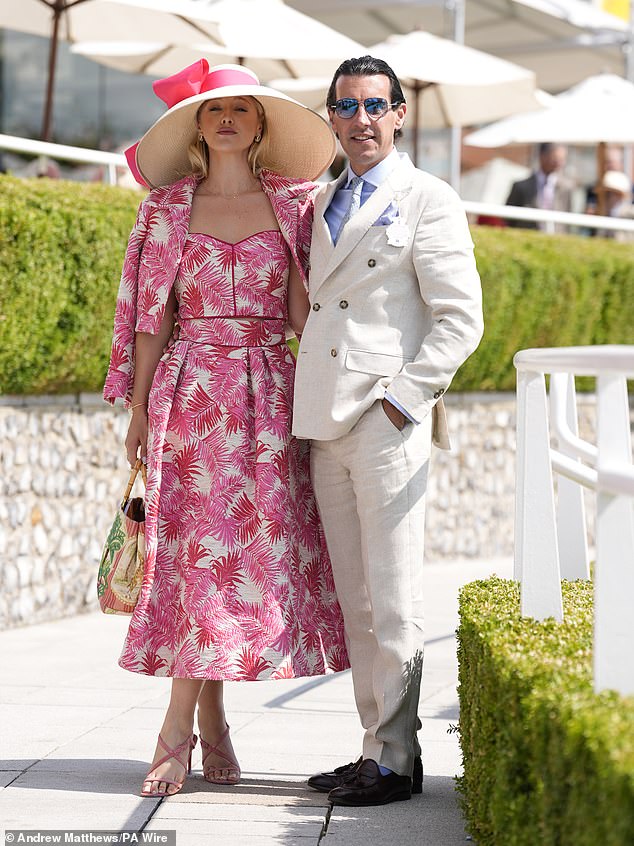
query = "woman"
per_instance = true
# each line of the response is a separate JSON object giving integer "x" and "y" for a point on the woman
{"x": 237, "y": 583}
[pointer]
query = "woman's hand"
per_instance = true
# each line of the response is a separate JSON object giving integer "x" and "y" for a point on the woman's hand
{"x": 136, "y": 439}
{"x": 176, "y": 333}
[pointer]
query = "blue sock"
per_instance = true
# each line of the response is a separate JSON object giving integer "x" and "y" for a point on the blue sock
{"x": 385, "y": 770}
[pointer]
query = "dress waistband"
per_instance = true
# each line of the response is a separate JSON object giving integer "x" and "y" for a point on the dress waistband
{"x": 233, "y": 331}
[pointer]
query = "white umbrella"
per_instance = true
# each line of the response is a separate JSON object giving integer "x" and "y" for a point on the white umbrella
{"x": 599, "y": 109}
{"x": 454, "y": 85}
{"x": 267, "y": 35}
{"x": 182, "y": 21}
{"x": 562, "y": 41}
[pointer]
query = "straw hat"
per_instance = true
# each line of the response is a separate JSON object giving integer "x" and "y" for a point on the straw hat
{"x": 617, "y": 181}
{"x": 297, "y": 143}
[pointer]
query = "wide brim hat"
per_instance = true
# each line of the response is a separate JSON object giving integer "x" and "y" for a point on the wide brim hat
{"x": 617, "y": 181}
{"x": 298, "y": 142}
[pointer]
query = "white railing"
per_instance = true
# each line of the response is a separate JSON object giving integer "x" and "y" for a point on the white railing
{"x": 114, "y": 160}
{"x": 550, "y": 542}
{"x": 66, "y": 153}
{"x": 584, "y": 221}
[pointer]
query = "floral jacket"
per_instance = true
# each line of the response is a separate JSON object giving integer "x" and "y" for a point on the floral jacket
{"x": 154, "y": 252}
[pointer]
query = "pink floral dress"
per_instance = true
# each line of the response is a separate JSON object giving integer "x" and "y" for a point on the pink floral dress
{"x": 238, "y": 582}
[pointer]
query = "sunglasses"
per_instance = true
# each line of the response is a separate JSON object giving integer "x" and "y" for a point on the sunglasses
{"x": 375, "y": 107}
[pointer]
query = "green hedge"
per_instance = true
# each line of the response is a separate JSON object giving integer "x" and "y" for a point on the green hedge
{"x": 62, "y": 244}
{"x": 547, "y": 762}
{"x": 61, "y": 250}
{"x": 546, "y": 291}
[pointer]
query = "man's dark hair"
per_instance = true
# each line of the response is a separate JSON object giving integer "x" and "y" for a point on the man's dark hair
{"x": 367, "y": 66}
{"x": 547, "y": 147}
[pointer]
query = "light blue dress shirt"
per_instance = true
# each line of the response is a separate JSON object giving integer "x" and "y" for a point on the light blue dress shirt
{"x": 340, "y": 202}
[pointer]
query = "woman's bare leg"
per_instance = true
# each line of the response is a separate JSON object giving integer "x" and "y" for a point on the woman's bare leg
{"x": 212, "y": 724}
{"x": 177, "y": 727}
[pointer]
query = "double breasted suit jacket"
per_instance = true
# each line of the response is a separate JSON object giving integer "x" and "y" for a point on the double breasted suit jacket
{"x": 392, "y": 309}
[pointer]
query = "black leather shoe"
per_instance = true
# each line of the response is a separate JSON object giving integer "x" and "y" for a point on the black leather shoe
{"x": 325, "y": 782}
{"x": 417, "y": 777}
{"x": 367, "y": 786}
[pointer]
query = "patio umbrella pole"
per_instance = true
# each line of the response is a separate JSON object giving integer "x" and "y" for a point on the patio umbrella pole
{"x": 58, "y": 8}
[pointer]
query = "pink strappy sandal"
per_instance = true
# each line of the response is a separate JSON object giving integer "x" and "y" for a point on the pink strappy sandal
{"x": 186, "y": 747}
{"x": 214, "y": 775}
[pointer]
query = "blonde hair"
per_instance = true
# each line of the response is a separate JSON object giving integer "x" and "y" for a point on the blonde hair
{"x": 198, "y": 152}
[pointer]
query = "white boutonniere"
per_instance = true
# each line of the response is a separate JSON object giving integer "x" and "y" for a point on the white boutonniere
{"x": 397, "y": 234}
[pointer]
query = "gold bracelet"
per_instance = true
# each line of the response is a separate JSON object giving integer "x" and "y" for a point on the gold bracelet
{"x": 136, "y": 405}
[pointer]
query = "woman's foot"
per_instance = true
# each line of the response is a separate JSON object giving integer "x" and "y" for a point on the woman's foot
{"x": 220, "y": 765}
{"x": 170, "y": 765}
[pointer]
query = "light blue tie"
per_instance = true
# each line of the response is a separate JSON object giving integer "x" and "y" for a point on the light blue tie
{"x": 356, "y": 183}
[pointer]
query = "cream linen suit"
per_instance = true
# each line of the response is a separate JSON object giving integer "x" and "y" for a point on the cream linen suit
{"x": 399, "y": 316}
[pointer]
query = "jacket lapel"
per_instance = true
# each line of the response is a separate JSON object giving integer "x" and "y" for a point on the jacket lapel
{"x": 395, "y": 188}
{"x": 321, "y": 246}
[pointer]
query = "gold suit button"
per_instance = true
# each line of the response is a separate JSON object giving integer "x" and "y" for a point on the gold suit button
{"x": 343, "y": 304}
{"x": 316, "y": 307}
{"x": 333, "y": 352}
{"x": 371, "y": 262}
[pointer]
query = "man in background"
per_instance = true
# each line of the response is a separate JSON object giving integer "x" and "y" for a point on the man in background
{"x": 546, "y": 188}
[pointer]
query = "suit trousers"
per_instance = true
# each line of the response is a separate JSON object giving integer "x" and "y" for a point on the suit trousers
{"x": 370, "y": 487}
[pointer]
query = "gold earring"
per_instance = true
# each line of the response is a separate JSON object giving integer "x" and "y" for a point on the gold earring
{"x": 257, "y": 138}
{"x": 201, "y": 137}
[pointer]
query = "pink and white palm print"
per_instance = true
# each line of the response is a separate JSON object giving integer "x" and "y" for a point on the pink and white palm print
{"x": 238, "y": 583}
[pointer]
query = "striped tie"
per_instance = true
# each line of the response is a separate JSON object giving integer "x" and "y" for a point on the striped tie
{"x": 356, "y": 184}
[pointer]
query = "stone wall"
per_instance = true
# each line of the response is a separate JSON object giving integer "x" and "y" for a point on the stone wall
{"x": 63, "y": 469}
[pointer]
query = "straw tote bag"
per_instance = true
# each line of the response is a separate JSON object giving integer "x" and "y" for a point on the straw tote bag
{"x": 121, "y": 566}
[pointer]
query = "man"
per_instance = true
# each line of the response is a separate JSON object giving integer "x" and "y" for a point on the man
{"x": 395, "y": 309}
{"x": 546, "y": 188}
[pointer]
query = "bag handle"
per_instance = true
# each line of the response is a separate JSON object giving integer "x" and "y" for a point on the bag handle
{"x": 139, "y": 465}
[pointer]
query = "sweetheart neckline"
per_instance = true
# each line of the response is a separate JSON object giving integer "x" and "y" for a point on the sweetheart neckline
{"x": 235, "y": 243}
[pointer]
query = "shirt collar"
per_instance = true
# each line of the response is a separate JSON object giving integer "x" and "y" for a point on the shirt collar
{"x": 379, "y": 173}
{"x": 542, "y": 178}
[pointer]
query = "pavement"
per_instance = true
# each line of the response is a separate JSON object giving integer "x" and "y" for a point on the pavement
{"x": 76, "y": 733}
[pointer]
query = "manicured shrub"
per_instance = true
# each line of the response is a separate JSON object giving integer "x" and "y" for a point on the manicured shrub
{"x": 546, "y": 760}
{"x": 61, "y": 250}
{"x": 546, "y": 291}
{"x": 62, "y": 245}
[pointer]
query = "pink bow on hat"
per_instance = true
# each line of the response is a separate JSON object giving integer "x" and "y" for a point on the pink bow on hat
{"x": 192, "y": 80}
{"x": 196, "y": 79}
